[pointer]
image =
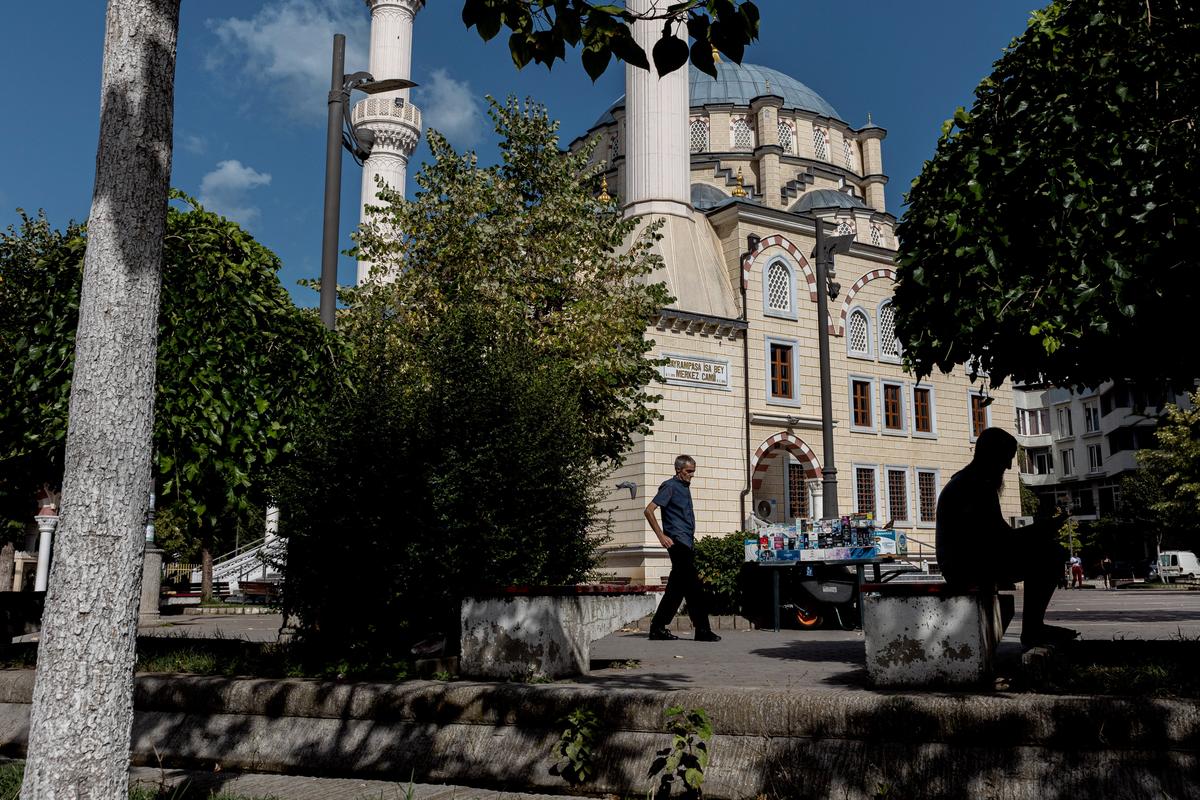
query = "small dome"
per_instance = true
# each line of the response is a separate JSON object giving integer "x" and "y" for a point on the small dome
{"x": 739, "y": 84}
{"x": 826, "y": 198}
{"x": 706, "y": 196}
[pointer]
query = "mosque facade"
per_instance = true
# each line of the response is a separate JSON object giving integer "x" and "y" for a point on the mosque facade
{"x": 740, "y": 169}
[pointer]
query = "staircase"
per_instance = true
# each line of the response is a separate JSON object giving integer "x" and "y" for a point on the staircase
{"x": 258, "y": 560}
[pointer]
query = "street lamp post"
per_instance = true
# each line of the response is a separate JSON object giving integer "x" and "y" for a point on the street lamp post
{"x": 340, "y": 132}
{"x": 823, "y": 254}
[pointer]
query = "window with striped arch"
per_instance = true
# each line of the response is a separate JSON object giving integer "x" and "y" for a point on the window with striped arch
{"x": 797, "y": 491}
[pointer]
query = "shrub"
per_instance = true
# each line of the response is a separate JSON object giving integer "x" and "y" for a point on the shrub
{"x": 720, "y": 561}
{"x": 406, "y": 497}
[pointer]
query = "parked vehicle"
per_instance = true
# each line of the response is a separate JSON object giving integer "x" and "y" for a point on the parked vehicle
{"x": 1174, "y": 564}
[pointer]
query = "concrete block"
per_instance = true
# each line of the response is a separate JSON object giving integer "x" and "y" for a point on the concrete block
{"x": 930, "y": 639}
{"x": 523, "y": 636}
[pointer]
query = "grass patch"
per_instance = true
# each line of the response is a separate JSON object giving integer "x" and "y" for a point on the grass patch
{"x": 1129, "y": 668}
{"x": 233, "y": 658}
{"x": 236, "y": 657}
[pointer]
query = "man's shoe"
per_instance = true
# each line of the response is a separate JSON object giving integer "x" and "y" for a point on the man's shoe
{"x": 706, "y": 636}
{"x": 1048, "y": 635}
{"x": 661, "y": 635}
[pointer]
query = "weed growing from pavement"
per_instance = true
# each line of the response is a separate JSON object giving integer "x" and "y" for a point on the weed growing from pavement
{"x": 575, "y": 751}
{"x": 682, "y": 763}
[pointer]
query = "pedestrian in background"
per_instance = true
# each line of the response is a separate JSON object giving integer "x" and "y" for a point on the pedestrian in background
{"x": 678, "y": 534}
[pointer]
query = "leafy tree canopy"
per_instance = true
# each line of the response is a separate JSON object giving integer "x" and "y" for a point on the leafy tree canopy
{"x": 1054, "y": 233}
{"x": 40, "y": 270}
{"x": 238, "y": 363}
{"x": 541, "y": 30}
{"x": 527, "y": 240}
{"x": 1174, "y": 466}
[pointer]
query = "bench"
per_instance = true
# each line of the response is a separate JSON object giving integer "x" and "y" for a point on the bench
{"x": 185, "y": 594}
{"x": 924, "y": 633}
{"x": 266, "y": 592}
{"x": 526, "y": 632}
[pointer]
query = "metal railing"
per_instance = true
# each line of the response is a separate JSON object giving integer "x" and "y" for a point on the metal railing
{"x": 178, "y": 573}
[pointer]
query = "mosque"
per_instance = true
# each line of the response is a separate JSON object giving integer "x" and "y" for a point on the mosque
{"x": 741, "y": 168}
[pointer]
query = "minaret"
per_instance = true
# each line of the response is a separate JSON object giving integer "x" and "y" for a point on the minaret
{"x": 395, "y": 121}
{"x": 657, "y": 160}
{"x": 658, "y": 164}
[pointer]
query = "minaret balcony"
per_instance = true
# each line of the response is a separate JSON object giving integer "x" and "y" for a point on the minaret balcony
{"x": 386, "y": 110}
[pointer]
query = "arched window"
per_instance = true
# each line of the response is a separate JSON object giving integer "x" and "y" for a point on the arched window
{"x": 858, "y": 333}
{"x": 779, "y": 288}
{"x": 821, "y": 143}
{"x": 741, "y": 134}
{"x": 699, "y": 129}
{"x": 614, "y": 146}
{"x": 847, "y": 154}
{"x": 889, "y": 345}
{"x": 787, "y": 138}
{"x": 845, "y": 228}
{"x": 876, "y": 235}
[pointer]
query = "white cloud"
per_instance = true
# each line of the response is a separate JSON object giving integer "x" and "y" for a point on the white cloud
{"x": 285, "y": 49}
{"x": 191, "y": 143}
{"x": 224, "y": 190}
{"x": 452, "y": 108}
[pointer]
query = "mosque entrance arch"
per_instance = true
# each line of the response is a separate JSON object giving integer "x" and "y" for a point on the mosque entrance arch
{"x": 785, "y": 479}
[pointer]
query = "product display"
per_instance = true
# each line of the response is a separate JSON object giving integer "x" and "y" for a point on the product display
{"x": 848, "y": 538}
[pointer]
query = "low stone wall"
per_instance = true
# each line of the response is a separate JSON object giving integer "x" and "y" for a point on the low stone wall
{"x": 787, "y": 745}
{"x": 518, "y": 636}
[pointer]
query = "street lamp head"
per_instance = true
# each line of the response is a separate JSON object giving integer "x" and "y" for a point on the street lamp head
{"x": 839, "y": 244}
{"x": 834, "y": 289}
{"x": 752, "y": 241}
{"x": 389, "y": 85}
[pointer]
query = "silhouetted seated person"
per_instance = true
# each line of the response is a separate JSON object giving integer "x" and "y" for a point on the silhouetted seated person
{"x": 977, "y": 548}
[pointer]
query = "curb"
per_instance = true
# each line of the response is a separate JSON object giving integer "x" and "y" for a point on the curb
{"x": 770, "y": 742}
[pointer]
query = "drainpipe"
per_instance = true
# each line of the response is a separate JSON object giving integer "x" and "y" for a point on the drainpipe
{"x": 752, "y": 241}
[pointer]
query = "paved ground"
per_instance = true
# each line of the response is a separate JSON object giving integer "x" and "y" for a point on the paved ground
{"x": 813, "y": 660}
{"x": 252, "y": 627}
{"x": 291, "y": 787}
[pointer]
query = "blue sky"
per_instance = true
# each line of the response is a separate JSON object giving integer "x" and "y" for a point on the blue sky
{"x": 252, "y": 77}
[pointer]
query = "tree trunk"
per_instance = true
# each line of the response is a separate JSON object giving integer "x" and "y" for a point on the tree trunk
{"x": 7, "y": 557}
{"x": 83, "y": 695}
{"x": 206, "y": 593}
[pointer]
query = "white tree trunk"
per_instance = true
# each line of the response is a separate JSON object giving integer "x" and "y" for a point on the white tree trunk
{"x": 83, "y": 697}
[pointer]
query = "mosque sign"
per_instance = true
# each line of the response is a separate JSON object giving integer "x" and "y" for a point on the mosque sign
{"x": 706, "y": 373}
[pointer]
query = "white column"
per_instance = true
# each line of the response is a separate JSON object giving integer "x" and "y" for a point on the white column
{"x": 46, "y": 524}
{"x": 657, "y": 157}
{"x": 391, "y": 39}
{"x": 395, "y": 121}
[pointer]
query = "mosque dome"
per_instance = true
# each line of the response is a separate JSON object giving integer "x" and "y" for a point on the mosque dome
{"x": 741, "y": 83}
{"x": 826, "y": 198}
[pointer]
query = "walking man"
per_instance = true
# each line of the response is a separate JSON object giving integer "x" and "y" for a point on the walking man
{"x": 677, "y": 533}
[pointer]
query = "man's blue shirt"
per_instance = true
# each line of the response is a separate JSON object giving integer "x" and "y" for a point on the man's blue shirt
{"x": 678, "y": 519}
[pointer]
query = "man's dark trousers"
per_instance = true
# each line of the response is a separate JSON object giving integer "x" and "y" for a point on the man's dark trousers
{"x": 683, "y": 584}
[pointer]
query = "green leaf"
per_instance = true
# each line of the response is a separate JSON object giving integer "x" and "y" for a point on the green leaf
{"x": 670, "y": 53}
